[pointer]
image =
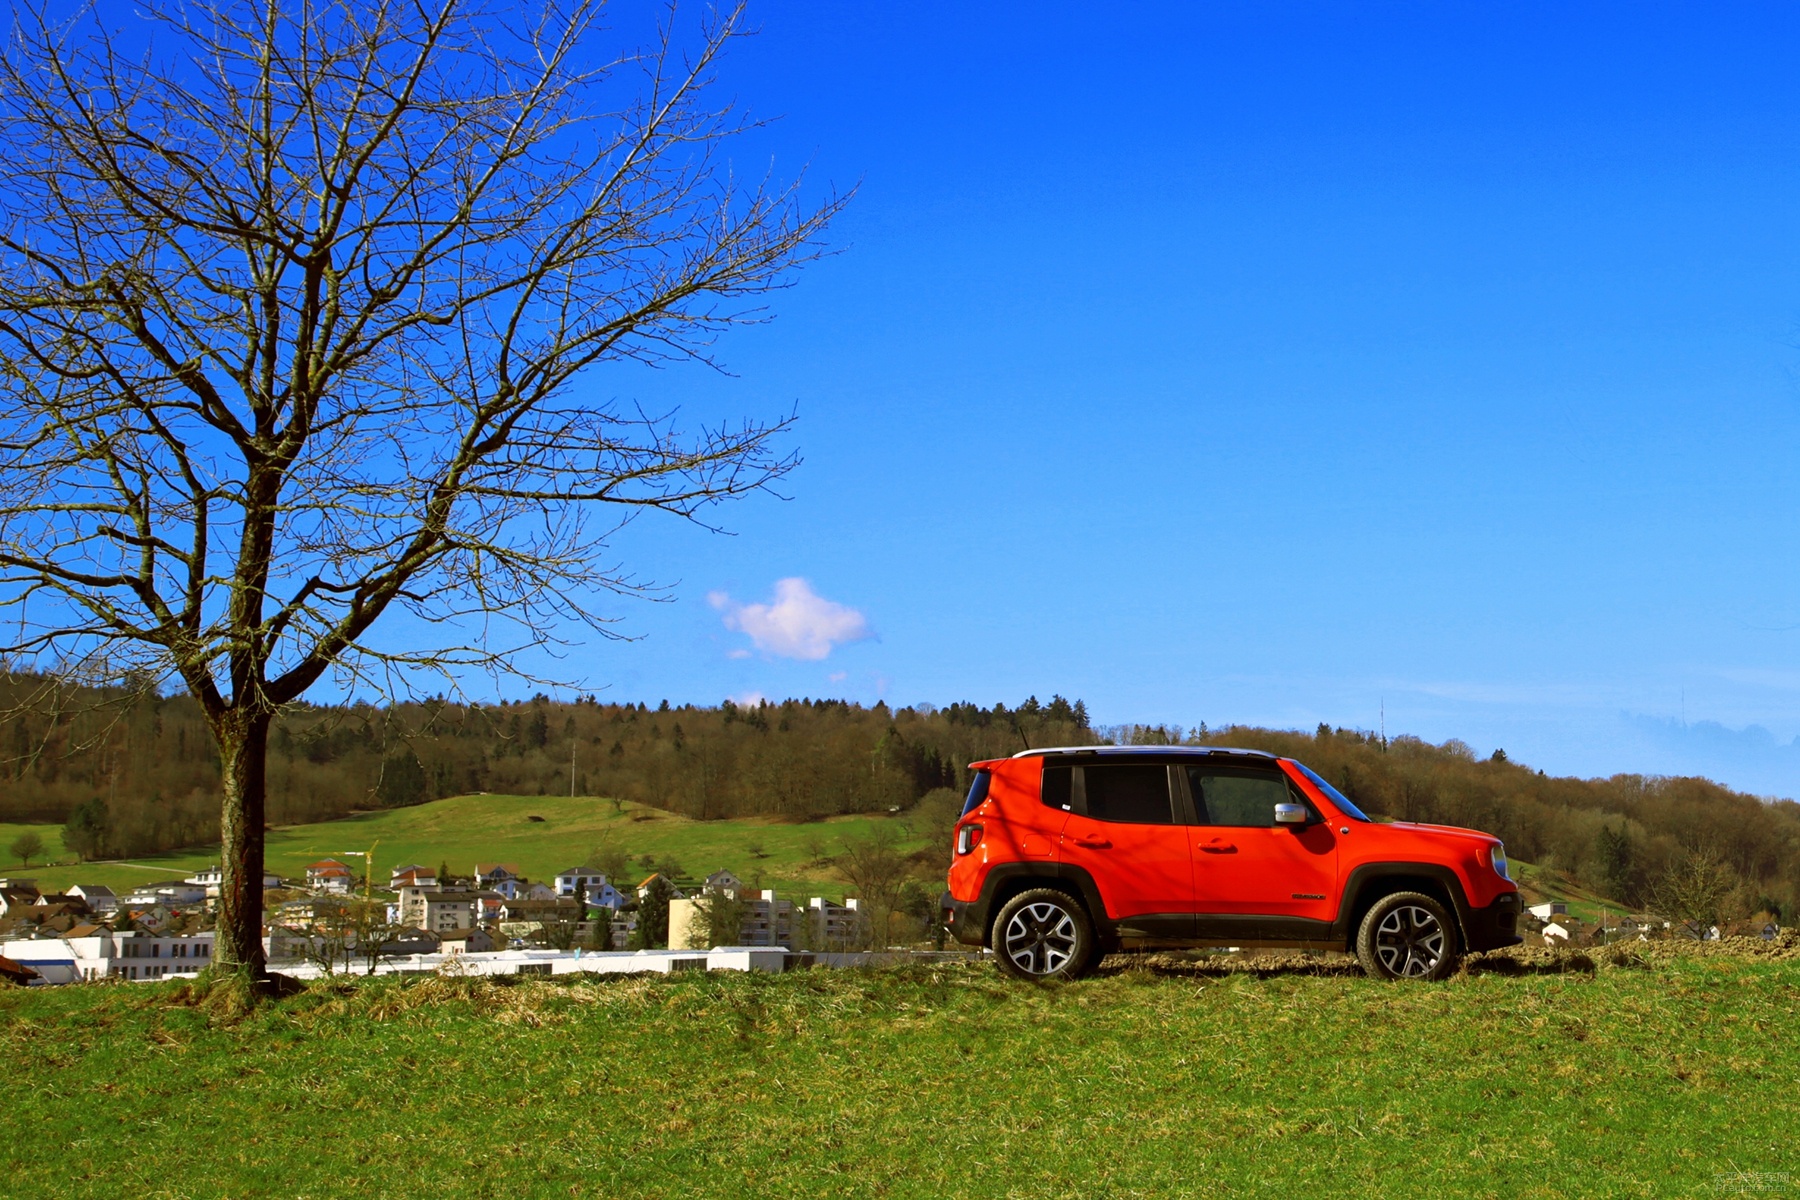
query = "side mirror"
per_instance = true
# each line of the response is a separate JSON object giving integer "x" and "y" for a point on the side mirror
{"x": 1291, "y": 814}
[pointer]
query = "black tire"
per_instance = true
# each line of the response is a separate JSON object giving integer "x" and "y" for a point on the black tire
{"x": 1043, "y": 934}
{"x": 1407, "y": 935}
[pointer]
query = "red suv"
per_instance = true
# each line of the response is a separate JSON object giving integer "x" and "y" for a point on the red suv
{"x": 1065, "y": 855}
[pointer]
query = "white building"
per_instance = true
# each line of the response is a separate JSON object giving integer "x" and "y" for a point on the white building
{"x": 466, "y": 941}
{"x": 519, "y": 889}
{"x": 97, "y": 897}
{"x": 836, "y": 926}
{"x": 726, "y": 882}
{"x": 769, "y": 921}
{"x": 412, "y": 875}
{"x": 1549, "y": 911}
{"x": 213, "y": 878}
{"x": 676, "y": 891}
{"x": 764, "y": 921}
{"x": 105, "y": 954}
{"x": 489, "y": 874}
{"x": 594, "y": 886}
{"x": 168, "y": 895}
{"x": 329, "y": 875}
{"x": 438, "y": 911}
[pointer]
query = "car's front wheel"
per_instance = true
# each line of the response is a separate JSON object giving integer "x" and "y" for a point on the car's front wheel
{"x": 1043, "y": 934}
{"x": 1407, "y": 935}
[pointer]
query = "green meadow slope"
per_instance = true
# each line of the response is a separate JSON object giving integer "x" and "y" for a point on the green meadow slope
{"x": 1525, "y": 1076}
{"x": 464, "y": 830}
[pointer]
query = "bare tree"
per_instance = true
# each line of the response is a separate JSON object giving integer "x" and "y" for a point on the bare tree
{"x": 1696, "y": 890}
{"x": 877, "y": 869}
{"x": 295, "y": 307}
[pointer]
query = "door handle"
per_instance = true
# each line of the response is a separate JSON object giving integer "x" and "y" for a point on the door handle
{"x": 1218, "y": 846}
{"x": 1092, "y": 843}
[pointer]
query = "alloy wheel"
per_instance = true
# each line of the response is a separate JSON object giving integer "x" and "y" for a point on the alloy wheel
{"x": 1041, "y": 938}
{"x": 1410, "y": 942}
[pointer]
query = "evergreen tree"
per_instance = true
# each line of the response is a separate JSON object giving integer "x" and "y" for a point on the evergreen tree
{"x": 85, "y": 831}
{"x": 1615, "y": 864}
{"x": 402, "y": 781}
{"x": 652, "y": 932}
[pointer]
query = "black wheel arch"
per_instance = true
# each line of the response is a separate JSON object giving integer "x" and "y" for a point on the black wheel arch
{"x": 1369, "y": 882}
{"x": 1007, "y": 880}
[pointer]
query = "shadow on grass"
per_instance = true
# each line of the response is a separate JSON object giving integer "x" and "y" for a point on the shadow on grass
{"x": 1552, "y": 963}
{"x": 1219, "y": 966}
{"x": 1342, "y": 966}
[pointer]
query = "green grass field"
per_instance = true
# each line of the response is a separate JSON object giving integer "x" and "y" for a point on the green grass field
{"x": 1548, "y": 1079}
{"x": 466, "y": 829}
{"x": 53, "y": 848}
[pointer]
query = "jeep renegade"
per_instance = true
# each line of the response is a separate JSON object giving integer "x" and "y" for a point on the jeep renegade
{"x": 1065, "y": 855}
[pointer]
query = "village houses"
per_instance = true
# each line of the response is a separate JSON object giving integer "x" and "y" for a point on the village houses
{"x": 329, "y": 875}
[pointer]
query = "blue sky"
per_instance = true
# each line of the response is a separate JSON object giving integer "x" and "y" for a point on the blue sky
{"x": 1273, "y": 364}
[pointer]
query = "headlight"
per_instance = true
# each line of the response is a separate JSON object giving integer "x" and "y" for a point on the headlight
{"x": 1498, "y": 853}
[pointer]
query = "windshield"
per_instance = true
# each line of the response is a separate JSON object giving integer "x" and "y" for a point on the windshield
{"x": 1336, "y": 797}
{"x": 977, "y": 793}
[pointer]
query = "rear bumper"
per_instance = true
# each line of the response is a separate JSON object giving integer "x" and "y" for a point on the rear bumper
{"x": 967, "y": 920}
{"x": 1494, "y": 926}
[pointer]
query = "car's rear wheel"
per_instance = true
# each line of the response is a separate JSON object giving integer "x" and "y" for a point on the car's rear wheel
{"x": 1043, "y": 934}
{"x": 1407, "y": 935}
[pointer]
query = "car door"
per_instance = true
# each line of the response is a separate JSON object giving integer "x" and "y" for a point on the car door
{"x": 1246, "y": 864}
{"x": 1122, "y": 830}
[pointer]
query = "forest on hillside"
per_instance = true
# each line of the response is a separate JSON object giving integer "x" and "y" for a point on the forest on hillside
{"x": 129, "y": 772}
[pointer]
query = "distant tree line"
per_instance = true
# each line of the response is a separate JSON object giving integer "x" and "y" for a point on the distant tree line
{"x": 130, "y": 772}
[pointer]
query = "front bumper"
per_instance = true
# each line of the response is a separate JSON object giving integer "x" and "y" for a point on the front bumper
{"x": 965, "y": 919}
{"x": 1496, "y": 925}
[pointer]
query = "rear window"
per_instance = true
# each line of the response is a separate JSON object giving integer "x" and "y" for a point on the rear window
{"x": 978, "y": 790}
{"x": 1129, "y": 793}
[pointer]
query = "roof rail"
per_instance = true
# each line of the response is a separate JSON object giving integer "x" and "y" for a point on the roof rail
{"x": 1125, "y": 751}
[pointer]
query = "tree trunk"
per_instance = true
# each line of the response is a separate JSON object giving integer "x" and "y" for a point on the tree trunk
{"x": 243, "y": 753}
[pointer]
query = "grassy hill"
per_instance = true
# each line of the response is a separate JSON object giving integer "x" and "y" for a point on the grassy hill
{"x": 466, "y": 829}
{"x": 1538, "y": 884}
{"x": 1527, "y": 1076}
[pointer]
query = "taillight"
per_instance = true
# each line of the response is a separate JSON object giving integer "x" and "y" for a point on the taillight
{"x": 968, "y": 837}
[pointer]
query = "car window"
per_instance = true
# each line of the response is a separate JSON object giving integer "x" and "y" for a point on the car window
{"x": 1226, "y": 797}
{"x": 1131, "y": 793}
{"x": 1336, "y": 797}
{"x": 978, "y": 791}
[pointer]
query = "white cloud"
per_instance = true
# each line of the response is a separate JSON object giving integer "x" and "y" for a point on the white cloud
{"x": 798, "y": 623}
{"x": 748, "y": 699}
{"x": 838, "y": 676}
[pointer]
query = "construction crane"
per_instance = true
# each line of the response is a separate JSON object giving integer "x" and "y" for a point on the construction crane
{"x": 368, "y": 857}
